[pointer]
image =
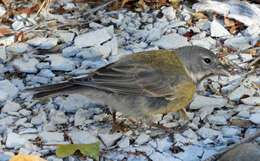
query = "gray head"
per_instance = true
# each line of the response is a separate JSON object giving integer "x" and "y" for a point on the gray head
{"x": 200, "y": 62}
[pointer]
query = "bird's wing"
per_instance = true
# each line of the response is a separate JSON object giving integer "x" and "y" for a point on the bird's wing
{"x": 136, "y": 76}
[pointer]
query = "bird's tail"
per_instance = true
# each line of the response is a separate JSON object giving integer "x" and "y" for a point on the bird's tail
{"x": 51, "y": 89}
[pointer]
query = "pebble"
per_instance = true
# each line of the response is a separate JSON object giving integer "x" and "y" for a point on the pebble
{"x": 67, "y": 37}
{"x": 26, "y": 65}
{"x": 217, "y": 29}
{"x": 171, "y": 41}
{"x": 255, "y": 118}
{"x": 7, "y": 90}
{"x": 251, "y": 101}
{"x": 208, "y": 133}
{"x": 46, "y": 73}
{"x": 82, "y": 137}
{"x": 18, "y": 48}
{"x": 239, "y": 92}
{"x": 40, "y": 118}
{"x": 14, "y": 140}
{"x": 94, "y": 37}
{"x": 17, "y": 25}
{"x": 240, "y": 43}
{"x": 43, "y": 43}
{"x": 124, "y": 142}
{"x": 60, "y": 63}
{"x": 52, "y": 137}
{"x": 3, "y": 54}
{"x": 230, "y": 131}
{"x": 2, "y": 11}
{"x": 80, "y": 117}
{"x": 207, "y": 102}
{"x": 10, "y": 107}
{"x": 217, "y": 119}
{"x": 169, "y": 13}
{"x": 59, "y": 118}
{"x": 7, "y": 40}
{"x": 110, "y": 139}
{"x": 3, "y": 156}
{"x": 70, "y": 51}
{"x": 142, "y": 138}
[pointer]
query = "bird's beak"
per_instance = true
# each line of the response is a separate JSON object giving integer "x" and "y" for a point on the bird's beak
{"x": 221, "y": 70}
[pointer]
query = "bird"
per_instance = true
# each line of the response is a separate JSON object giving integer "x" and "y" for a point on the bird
{"x": 144, "y": 84}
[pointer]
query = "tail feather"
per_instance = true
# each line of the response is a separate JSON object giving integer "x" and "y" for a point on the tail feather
{"x": 51, "y": 89}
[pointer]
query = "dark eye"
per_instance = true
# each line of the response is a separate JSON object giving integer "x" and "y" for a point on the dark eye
{"x": 207, "y": 60}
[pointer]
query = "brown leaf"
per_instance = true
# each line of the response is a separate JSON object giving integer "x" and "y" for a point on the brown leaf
{"x": 5, "y": 17}
{"x": 28, "y": 11}
{"x": 257, "y": 44}
{"x": 228, "y": 22}
{"x": 24, "y": 157}
{"x": 4, "y": 31}
{"x": 20, "y": 36}
{"x": 199, "y": 15}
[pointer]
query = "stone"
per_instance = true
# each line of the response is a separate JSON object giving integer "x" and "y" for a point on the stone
{"x": 251, "y": 101}
{"x": 94, "y": 37}
{"x": 19, "y": 48}
{"x": 80, "y": 117}
{"x": 43, "y": 43}
{"x": 26, "y": 65}
{"x": 169, "y": 13}
{"x": 208, "y": 133}
{"x": 255, "y": 118}
{"x": 70, "y": 51}
{"x": 60, "y": 63}
{"x": 66, "y": 36}
{"x": 217, "y": 119}
{"x": 17, "y": 25}
{"x": 218, "y": 30}
{"x": 240, "y": 43}
{"x": 7, "y": 40}
{"x": 171, "y": 41}
{"x": 124, "y": 142}
{"x": 141, "y": 139}
{"x": 230, "y": 131}
{"x": 110, "y": 139}
{"x": 2, "y": 11}
{"x": 52, "y": 137}
{"x": 59, "y": 118}
{"x": 82, "y": 137}
{"x": 40, "y": 118}
{"x": 207, "y": 102}
{"x": 10, "y": 107}
{"x": 7, "y": 90}
{"x": 239, "y": 92}
{"x": 3, "y": 54}
{"x": 46, "y": 73}
{"x": 243, "y": 152}
{"x": 14, "y": 140}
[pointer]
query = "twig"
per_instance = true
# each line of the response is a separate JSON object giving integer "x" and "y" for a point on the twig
{"x": 248, "y": 139}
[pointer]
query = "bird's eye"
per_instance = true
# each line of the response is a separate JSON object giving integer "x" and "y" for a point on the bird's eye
{"x": 207, "y": 60}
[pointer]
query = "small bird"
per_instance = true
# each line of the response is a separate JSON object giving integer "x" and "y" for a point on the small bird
{"x": 146, "y": 83}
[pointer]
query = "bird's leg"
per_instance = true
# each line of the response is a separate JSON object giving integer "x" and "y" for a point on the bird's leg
{"x": 183, "y": 115}
{"x": 117, "y": 126}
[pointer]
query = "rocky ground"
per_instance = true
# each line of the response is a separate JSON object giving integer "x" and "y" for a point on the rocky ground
{"x": 73, "y": 39}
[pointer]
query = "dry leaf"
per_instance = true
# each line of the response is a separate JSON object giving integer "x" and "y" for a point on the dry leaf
{"x": 24, "y": 157}
{"x": 228, "y": 22}
{"x": 5, "y": 17}
{"x": 28, "y": 11}
{"x": 20, "y": 36}
{"x": 199, "y": 15}
{"x": 257, "y": 44}
{"x": 4, "y": 31}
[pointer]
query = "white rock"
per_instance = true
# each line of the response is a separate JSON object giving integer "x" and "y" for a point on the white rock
{"x": 60, "y": 118}
{"x": 70, "y": 51}
{"x": 239, "y": 92}
{"x": 191, "y": 153}
{"x": 26, "y": 65}
{"x": 143, "y": 138}
{"x": 40, "y": 118}
{"x": 246, "y": 57}
{"x": 80, "y": 117}
{"x": 208, "y": 133}
{"x": 52, "y": 137}
{"x": 230, "y": 131}
{"x": 238, "y": 43}
{"x": 94, "y": 37}
{"x": 251, "y": 101}
{"x": 7, "y": 90}
{"x": 217, "y": 119}
{"x": 60, "y": 63}
{"x": 17, "y": 25}
{"x": 171, "y": 41}
{"x": 3, "y": 54}
{"x": 66, "y": 36}
{"x": 124, "y": 142}
{"x": 157, "y": 156}
{"x": 255, "y": 118}
{"x": 18, "y": 48}
{"x": 218, "y": 30}
{"x": 46, "y": 73}
{"x": 110, "y": 139}
{"x": 14, "y": 140}
{"x": 43, "y": 43}
{"x": 113, "y": 45}
{"x": 205, "y": 42}
{"x": 207, "y": 102}
{"x": 2, "y": 11}
{"x": 11, "y": 106}
{"x": 7, "y": 40}
{"x": 82, "y": 137}
{"x": 169, "y": 13}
